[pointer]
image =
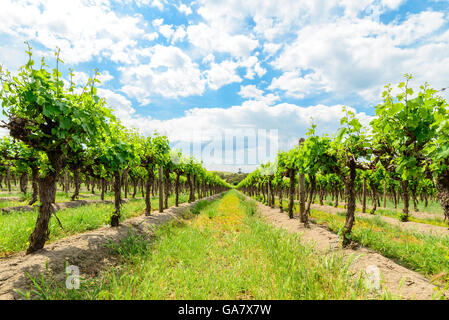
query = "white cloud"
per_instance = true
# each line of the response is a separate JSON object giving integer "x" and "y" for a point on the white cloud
{"x": 104, "y": 77}
{"x": 151, "y": 36}
{"x": 82, "y": 29}
{"x": 158, "y": 22}
{"x": 221, "y": 74}
{"x": 339, "y": 47}
{"x": 212, "y": 40}
{"x": 13, "y": 55}
{"x": 253, "y": 67}
{"x": 204, "y": 124}
{"x": 184, "y": 9}
{"x": 251, "y": 92}
{"x": 166, "y": 30}
{"x": 140, "y": 3}
{"x": 172, "y": 33}
{"x": 360, "y": 56}
{"x": 157, "y": 4}
{"x": 170, "y": 73}
{"x": 392, "y": 4}
{"x": 271, "y": 48}
{"x": 298, "y": 86}
{"x": 179, "y": 34}
{"x": 121, "y": 106}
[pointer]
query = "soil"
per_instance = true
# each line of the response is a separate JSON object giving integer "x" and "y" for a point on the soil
{"x": 11, "y": 199}
{"x": 414, "y": 285}
{"x": 87, "y": 251}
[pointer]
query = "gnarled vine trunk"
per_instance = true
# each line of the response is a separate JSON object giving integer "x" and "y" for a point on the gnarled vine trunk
{"x": 125, "y": 182}
{"x": 47, "y": 188}
{"x": 302, "y": 200}
{"x": 134, "y": 180}
{"x": 312, "y": 190}
{"x": 76, "y": 178}
{"x": 161, "y": 189}
{"x": 115, "y": 218}
{"x": 336, "y": 196}
{"x": 177, "y": 189}
{"x": 291, "y": 194}
{"x": 23, "y": 182}
{"x": 191, "y": 193}
{"x": 8, "y": 177}
{"x": 47, "y": 193}
{"x": 350, "y": 203}
{"x": 166, "y": 187}
{"x": 374, "y": 193}
{"x": 35, "y": 184}
{"x": 271, "y": 193}
{"x": 103, "y": 187}
{"x": 148, "y": 185}
{"x": 364, "y": 196}
{"x": 279, "y": 189}
{"x": 406, "y": 199}
{"x": 442, "y": 186}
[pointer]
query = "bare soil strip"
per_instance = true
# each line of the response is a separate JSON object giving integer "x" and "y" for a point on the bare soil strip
{"x": 87, "y": 251}
{"x": 414, "y": 285}
{"x": 10, "y": 199}
{"x": 409, "y": 226}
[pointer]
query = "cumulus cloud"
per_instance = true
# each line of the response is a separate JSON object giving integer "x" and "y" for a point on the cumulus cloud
{"x": 283, "y": 50}
{"x": 222, "y": 73}
{"x": 359, "y": 56}
{"x": 82, "y": 29}
{"x": 210, "y": 39}
{"x": 251, "y": 92}
{"x": 200, "y": 125}
{"x": 184, "y": 9}
{"x": 169, "y": 73}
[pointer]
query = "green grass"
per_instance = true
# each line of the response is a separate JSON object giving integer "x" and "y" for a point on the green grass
{"x": 422, "y": 252}
{"x": 16, "y": 227}
{"x": 60, "y": 197}
{"x": 425, "y": 253}
{"x": 392, "y": 213}
{"x": 224, "y": 251}
{"x": 432, "y": 207}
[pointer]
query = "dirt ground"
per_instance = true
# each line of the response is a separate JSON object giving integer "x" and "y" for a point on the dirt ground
{"x": 399, "y": 281}
{"x": 87, "y": 251}
{"x": 10, "y": 199}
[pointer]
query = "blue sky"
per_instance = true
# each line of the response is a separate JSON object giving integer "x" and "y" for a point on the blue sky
{"x": 193, "y": 69}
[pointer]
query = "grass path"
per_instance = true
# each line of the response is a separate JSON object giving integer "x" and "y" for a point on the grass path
{"x": 221, "y": 250}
